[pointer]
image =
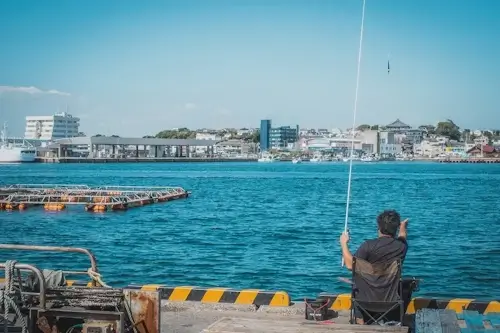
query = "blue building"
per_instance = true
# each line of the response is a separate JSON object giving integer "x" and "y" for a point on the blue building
{"x": 265, "y": 129}
{"x": 283, "y": 136}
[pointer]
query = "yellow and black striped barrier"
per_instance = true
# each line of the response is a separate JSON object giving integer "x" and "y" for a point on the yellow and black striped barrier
{"x": 69, "y": 283}
{"x": 342, "y": 302}
{"x": 219, "y": 295}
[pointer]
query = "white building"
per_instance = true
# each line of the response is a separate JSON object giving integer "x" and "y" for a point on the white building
{"x": 60, "y": 125}
{"x": 209, "y": 135}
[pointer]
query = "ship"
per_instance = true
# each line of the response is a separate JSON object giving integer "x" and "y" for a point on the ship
{"x": 15, "y": 152}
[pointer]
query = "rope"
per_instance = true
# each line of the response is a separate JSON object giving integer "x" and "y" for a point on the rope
{"x": 97, "y": 277}
{"x": 6, "y": 298}
{"x": 354, "y": 122}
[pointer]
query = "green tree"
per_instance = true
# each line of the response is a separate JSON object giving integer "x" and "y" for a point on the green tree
{"x": 489, "y": 135}
{"x": 466, "y": 134}
{"x": 181, "y": 133}
{"x": 449, "y": 129}
{"x": 256, "y": 136}
{"x": 363, "y": 127}
{"x": 374, "y": 127}
{"x": 430, "y": 129}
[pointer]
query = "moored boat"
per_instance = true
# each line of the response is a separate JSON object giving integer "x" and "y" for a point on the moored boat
{"x": 15, "y": 153}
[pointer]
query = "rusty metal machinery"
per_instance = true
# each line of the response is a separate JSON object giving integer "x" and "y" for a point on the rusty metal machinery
{"x": 39, "y": 301}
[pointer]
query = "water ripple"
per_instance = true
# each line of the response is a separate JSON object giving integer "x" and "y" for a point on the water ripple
{"x": 272, "y": 226}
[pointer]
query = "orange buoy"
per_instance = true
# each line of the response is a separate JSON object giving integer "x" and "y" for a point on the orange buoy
{"x": 10, "y": 206}
{"x": 54, "y": 206}
{"x": 22, "y": 206}
{"x": 99, "y": 208}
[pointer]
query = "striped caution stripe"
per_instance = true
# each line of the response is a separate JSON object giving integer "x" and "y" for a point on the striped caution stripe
{"x": 218, "y": 295}
{"x": 69, "y": 283}
{"x": 455, "y": 304}
{"x": 342, "y": 302}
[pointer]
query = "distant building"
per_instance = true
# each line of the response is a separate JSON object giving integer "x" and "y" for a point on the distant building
{"x": 235, "y": 147}
{"x": 283, "y": 137}
{"x": 265, "y": 129}
{"x": 397, "y": 126}
{"x": 208, "y": 136}
{"x": 370, "y": 141}
{"x": 388, "y": 144}
{"x": 405, "y": 135}
{"x": 414, "y": 136}
{"x": 58, "y": 126}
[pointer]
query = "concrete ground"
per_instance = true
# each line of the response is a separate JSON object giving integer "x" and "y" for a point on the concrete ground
{"x": 194, "y": 317}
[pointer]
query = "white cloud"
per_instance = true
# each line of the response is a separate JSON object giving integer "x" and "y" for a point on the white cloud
{"x": 190, "y": 106}
{"x": 31, "y": 90}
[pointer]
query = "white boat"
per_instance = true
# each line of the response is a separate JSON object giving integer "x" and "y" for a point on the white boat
{"x": 15, "y": 153}
{"x": 297, "y": 160}
{"x": 266, "y": 158}
{"x": 352, "y": 158}
{"x": 370, "y": 158}
{"x": 316, "y": 159}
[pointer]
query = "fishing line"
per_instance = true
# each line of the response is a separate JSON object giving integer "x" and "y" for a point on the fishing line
{"x": 354, "y": 121}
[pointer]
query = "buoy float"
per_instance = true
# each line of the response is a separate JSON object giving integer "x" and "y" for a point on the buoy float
{"x": 10, "y": 206}
{"x": 53, "y": 206}
{"x": 22, "y": 206}
{"x": 99, "y": 208}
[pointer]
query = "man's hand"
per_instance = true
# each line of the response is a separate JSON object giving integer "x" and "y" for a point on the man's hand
{"x": 344, "y": 238}
{"x": 403, "y": 232}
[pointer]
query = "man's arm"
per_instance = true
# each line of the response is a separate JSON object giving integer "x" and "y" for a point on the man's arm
{"x": 403, "y": 230}
{"x": 346, "y": 254}
{"x": 361, "y": 253}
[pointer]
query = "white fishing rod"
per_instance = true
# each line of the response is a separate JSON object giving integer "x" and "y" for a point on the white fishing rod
{"x": 354, "y": 123}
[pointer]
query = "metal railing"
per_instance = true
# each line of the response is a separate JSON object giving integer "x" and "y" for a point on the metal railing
{"x": 41, "y": 279}
{"x": 88, "y": 253}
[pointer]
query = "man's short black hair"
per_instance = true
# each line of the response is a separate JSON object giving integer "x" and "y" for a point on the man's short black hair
{"x": 388, "y": 222}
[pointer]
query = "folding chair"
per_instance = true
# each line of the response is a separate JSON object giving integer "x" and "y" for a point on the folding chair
{"x": 376, "y": 292}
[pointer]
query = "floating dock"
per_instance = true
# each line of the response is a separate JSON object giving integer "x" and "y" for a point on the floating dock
{"x": 57, "y": 197}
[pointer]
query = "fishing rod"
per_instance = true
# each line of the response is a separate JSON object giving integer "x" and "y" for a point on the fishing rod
{"x": 348, "y": 201}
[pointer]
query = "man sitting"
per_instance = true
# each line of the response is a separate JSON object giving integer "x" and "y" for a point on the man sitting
{"x": 386, "y": 248}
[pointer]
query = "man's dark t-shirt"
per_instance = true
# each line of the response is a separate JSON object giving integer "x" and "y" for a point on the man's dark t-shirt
{"x": 383, "y": 249}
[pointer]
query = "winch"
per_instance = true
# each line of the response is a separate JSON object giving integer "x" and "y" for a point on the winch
{"x": 43, "y": 301}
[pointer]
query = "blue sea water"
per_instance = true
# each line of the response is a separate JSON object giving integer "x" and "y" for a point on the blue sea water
{"x": 270, "y": 226}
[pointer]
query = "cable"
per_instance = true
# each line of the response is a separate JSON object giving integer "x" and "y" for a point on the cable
{"x": 354, "y": 122}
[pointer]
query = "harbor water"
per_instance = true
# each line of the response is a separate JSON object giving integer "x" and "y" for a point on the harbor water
{"x": 270, "y": 226}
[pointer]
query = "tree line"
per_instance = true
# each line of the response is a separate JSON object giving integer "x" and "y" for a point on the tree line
{"x": 185, "y": 133}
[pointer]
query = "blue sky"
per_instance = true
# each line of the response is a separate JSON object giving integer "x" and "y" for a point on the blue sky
{"x": 137, "y": 67}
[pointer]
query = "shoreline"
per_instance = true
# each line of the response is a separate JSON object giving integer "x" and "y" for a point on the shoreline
{"x": 219, "y": 160}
